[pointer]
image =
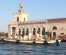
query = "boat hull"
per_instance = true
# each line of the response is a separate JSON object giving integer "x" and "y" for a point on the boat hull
{"x": 29, "y": 42}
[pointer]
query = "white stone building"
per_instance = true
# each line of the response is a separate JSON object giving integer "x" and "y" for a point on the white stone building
{"x": 22, "y": 26}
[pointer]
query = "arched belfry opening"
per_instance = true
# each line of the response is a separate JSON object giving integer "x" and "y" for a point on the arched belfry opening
{"x": 17, "y": 19}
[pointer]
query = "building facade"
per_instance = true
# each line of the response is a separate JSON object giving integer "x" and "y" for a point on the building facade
{"x": 35, "y": 28}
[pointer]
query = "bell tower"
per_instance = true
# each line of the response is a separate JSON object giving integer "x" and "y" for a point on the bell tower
{"x": 20, "y": 16}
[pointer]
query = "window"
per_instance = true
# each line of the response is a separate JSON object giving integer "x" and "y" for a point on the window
{"x": 27, "y": 31}
{"x": 17, "y": 19}
{"x": 13, "y": 30}
{"x": 54, "y": 28}
{"x": 23, "y": 29}
{"x": 23, "y": 32}
{"x": 24, "y": 19}
{"x": 43, "y": 31}
{"x": 34, "y": 31}
{"x": 19, "y": 31}
{"x": 38, "y": 30}
{"x": 54, "y": 34}
{"x": 62, "y": 33}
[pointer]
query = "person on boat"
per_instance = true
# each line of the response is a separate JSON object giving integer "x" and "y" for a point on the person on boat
{"x": 45, "y": 37}
{"x": 57, "y": 42}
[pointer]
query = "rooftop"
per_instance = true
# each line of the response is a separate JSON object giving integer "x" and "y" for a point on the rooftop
{"x": 57, "y": 20}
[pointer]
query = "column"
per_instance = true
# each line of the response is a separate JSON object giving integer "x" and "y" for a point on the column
{"x": 9, "y": 32}
{"x": 25, "y": 31}
{"x": 21, "y": 31}
{"x": 17, "y": 30}
{"x": 41, "y": 31}
{"x": 36, "y": 30}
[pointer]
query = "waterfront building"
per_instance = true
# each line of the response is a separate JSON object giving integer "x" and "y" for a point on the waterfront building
{"x": 36, "y": 28}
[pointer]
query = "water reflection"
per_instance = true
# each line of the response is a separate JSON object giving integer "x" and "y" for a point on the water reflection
{"x": 22, "y": 49}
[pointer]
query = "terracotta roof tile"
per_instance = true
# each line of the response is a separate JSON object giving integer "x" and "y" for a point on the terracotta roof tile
{"x": 57, "y": 20}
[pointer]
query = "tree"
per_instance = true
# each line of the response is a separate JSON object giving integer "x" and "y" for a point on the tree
{"x": 3, "y": 34}
{"x": 6, "y": 34}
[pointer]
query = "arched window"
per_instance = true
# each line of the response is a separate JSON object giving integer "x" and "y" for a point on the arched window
{"x": 27, "y": 31}
{"x": 38, "y": 30}
{"x": 24, "y": 19}
{"x": 23, "y": 29}
{"x": 34, "y": 31}
{"x": 54, "y": 28}
{"x": 43, "y": 31}
{"x": 19, "y": 31}
{"x": 23, "y": 32}
{"x": 17, "y": 19}
{"x": 13, "y": 30}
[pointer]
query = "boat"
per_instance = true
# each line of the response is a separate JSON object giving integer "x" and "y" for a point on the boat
{"x": 63, "y": 40}
{"x": 30, "y": 41}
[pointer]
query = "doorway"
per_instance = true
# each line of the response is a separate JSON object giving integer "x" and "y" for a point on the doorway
{"x": 54, "y": 35}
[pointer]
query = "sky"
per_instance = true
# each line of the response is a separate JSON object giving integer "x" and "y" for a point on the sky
{"x": 36, "y": 9}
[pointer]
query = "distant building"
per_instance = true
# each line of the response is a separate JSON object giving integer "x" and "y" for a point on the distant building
{"x": 21, "y": 26}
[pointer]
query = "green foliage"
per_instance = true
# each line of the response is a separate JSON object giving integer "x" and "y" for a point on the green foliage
{"x": 3, "y": 34}
{"x": 6, "y": 34}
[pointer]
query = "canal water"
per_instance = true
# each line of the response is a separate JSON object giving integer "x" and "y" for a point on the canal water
{"x": 23, "y": 49}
